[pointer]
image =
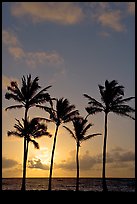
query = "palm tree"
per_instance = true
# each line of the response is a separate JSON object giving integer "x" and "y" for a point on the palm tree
{"x": 80, "y": 129}
{"x": 27, "y": 96}
{"x": 32, "y": 129}
{"x": 112, "y": 101}
{"x": 63, "y": 113}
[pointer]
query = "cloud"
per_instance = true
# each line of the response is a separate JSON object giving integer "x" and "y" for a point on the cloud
{"x": 117, "y": 157}
{"x": 110, "y": 15}
{"x": 6, "y": 81}
{"x": 111, "y": 19}
{"x": 9, "y": 38}
{"x": 32, "y": 59}
{"x": 131, "y": 7}
{"x": 16, "y": 52}
{"x": 65, "y": 13}
{"x": 121, "y": 156}
{"x": 106, "y": 14}
{"x": 35, "y": 58}
{"x": 36, "y": 163}
{"x": 86, "y": 162}
{"x": 11, "y": 168}
{"x": 117, "y": 149}
{"x": 8, "y": 163}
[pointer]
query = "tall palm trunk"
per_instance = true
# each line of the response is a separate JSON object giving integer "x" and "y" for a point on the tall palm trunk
{"x": 77, "y": 161}
{"x": 23, "y": 188}
{"x": 52, "y": 157}
{"x": 24, "y": 167}
{"x": 104, "y": 156}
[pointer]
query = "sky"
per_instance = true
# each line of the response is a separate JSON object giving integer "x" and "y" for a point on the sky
{"x": 73, "y": 46}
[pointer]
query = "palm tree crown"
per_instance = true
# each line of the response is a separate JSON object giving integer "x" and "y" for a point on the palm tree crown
{"x": 28, "y": 95}
{"x": 112, "y": 98}
{"x": 33, "y": 129}
{"x": 80, "y": 129}
{"x": 63, "y": 112}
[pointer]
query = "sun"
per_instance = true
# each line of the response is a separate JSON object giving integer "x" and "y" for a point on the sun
{"x": 43, "y": 155}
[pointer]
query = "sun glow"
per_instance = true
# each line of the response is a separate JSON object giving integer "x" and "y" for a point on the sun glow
{"x": 43, "y": 155}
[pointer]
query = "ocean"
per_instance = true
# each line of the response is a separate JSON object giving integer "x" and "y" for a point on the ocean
{"x": 69, "y": 184}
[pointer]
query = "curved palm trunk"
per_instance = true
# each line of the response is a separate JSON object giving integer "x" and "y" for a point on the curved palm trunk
{"x": 23, "y": 188}
{"x": 52, "y": 157}
{"x": 77, "y": 161}
{"x": 104, "y": 156}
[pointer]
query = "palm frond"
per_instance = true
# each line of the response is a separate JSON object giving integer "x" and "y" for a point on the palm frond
{"x": 123, "y": 113}
{"x": 126, "y": 99}
{"x": 101, "y": 89}
{"x": 41, "y": 97}
{"x": 19, "y": 123}
{"x": 13, "y": 96}
{"x": 118, "y": 91}
{"x": 19, "y": 128}
{"x": 24, "y": 87}
{"x": 86, "y": 128}
{"x": 71, "y": 133}
{"x": 41, "y": 133}
{"x": 119, "y": 103}
{"x": 110, "y": 92}
{"x": 93, "y": 110}
{"x": 51, "y": 101}
{"x": 16, "y": 90}
{"x": 13, "y": 107}
{"x": 33, "y": 86}
{"x": 49, "y": 110}
{"x": 39, "y": 119}
{"x": 90, "y": 136}
{"x": 14, "y": 133}
{"x": 123, "y": 108}
{"x": 93, "y": 101}
{"x": 70, "y": 116}
{"x": 36, "y": 145}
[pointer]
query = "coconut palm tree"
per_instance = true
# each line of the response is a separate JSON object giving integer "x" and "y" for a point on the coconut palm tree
{"x": 112, "y": 101}
{"x": 27, "y": 96}
{"x": 30, "y": 130}
{"x": 80, "y": 129}
{"x": 63, "y": 113}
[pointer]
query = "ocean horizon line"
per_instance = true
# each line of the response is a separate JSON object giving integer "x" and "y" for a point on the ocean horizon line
{"x": 69, "y": 177}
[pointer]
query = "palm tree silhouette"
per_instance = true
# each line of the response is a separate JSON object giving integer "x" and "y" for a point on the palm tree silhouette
{"x": 112, "y": 101}
{"x": 63, "y": 113}
{"x": 28, "y": 96}
{"x": 30, "y": 130}
{"x": 80, "y": 129}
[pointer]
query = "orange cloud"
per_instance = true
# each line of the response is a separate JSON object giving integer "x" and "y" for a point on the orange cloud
{"x": 112, "y": 19}
{"x": 31, "y": 58}
{"x": 59, "y": 12}
{"x": 36, "y": 58}
{"x": 16, "y": 52}
{"x": 8, "y": 163}
{"x": 131, "y": 7}
{"x": 9, "y": 38}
